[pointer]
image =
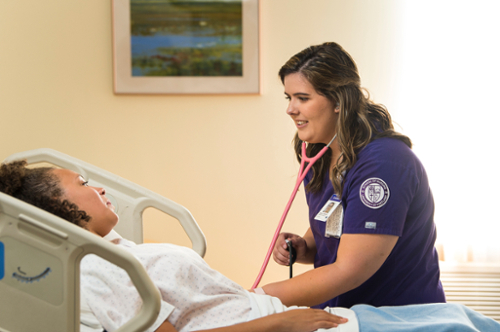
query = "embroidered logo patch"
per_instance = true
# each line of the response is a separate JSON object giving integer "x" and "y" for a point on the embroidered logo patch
{"x": 374, "y": 193}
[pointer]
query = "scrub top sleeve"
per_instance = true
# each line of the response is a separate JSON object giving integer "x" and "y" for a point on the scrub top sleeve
{"x": 377, "y": 196}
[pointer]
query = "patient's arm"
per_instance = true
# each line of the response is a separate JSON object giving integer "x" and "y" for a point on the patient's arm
{"x": 299, "y": 320}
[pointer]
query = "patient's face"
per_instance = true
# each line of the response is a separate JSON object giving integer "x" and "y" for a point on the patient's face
{"x": 89, "y": 199}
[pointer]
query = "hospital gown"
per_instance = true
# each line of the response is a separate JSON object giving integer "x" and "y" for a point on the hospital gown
{"x": 196, "y": 297}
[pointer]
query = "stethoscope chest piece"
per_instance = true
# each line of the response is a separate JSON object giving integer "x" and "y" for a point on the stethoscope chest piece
{"x": 293, "y": 255}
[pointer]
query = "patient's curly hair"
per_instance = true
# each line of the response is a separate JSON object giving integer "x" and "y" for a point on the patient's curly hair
{"x": 41, "y": 188}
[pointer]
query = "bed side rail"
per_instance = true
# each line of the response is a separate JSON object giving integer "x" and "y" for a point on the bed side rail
{"x": 40, "y": 258}
{"x": 129, "y": 199}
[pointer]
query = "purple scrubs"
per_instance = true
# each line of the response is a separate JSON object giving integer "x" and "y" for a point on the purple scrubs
{"x": 385, "y": 192}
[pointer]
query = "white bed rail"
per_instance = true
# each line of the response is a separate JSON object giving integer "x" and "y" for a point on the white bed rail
{"x": 40, "y": 258}
{"x": 129, "y": 199}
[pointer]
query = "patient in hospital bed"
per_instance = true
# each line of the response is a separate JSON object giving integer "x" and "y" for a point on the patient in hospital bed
{"x": 194, "y": 296}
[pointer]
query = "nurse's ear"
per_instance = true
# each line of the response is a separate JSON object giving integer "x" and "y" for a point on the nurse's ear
{"x": 337, "y": 107}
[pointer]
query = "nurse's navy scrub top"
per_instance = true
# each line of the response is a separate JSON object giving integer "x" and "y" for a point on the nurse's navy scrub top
{"x": 385, "y": 192}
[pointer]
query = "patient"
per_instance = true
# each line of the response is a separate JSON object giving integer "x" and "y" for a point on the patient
{"x": 194, "y": 296}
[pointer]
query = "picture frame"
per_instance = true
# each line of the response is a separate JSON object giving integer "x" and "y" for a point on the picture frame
{"x": 223, "y": 50}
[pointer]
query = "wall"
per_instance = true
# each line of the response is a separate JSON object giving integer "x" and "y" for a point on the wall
{"x": 226, "y": 158}
{"x": 447, "y": 85}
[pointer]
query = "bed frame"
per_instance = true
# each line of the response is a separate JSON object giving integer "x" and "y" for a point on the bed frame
{"x": 40, "y": 253}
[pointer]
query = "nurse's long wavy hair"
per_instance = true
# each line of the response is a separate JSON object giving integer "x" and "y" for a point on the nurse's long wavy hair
{"x": 39, "y": 187}
{"x": 334, "y": 74}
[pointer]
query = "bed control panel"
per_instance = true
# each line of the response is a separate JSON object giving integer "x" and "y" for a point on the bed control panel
{"x": 31, "y": 271}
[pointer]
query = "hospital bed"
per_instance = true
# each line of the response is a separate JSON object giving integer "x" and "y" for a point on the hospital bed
{"x": 40, "y": 253}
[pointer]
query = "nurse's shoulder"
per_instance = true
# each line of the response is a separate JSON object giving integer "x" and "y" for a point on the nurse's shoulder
{"x": 388, "y": 159}
{"x": 388, "y": 150}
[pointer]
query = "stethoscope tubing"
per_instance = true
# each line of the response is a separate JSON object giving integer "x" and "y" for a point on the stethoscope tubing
{"x": 300, "y": 177}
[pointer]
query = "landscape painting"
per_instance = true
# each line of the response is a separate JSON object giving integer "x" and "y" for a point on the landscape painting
{"x": 186, "y": 46}
{"x": 186, "y": 38}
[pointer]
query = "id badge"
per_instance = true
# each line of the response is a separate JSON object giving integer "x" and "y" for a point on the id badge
{"x": 333, "y": 214}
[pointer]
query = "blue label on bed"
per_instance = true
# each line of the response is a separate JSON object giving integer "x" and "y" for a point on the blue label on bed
{"x": 2, "y": 260}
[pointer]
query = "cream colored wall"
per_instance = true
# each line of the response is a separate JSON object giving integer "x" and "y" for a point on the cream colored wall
{"x": 226, "y": 158}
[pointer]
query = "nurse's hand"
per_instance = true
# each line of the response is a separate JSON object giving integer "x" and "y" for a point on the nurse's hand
{"x": 280, "y": 252}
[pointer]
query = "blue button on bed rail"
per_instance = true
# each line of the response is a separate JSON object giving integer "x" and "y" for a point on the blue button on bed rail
{"x": 2, "y": 260}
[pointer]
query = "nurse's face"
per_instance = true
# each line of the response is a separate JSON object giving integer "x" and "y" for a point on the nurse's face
{"x": 88, "y": 199}
{"x": 314, "y": 115}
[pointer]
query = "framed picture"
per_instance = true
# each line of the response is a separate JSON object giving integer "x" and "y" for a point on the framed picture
{"x": 186, "y": 46}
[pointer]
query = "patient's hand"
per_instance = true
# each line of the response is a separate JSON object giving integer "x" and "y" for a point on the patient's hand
{"x": 305, "y": 320}
{"x": 298, "y": 320}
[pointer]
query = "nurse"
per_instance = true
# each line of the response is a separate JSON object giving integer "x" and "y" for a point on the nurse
{"x": 371, "y": 230}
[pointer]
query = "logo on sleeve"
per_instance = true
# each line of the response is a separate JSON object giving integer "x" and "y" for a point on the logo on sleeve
{"x": 374, "y": 193}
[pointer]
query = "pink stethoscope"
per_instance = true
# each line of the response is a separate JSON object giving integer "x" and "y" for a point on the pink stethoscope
{"x": 300, "y": 177}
